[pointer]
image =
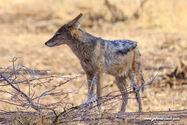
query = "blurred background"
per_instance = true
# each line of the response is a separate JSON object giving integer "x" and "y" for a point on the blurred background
{"x": 159, "y": 27}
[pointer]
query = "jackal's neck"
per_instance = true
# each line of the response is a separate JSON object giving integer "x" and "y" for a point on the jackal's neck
{"x": 83, "y": 43}
{"x": 82, "y": 36}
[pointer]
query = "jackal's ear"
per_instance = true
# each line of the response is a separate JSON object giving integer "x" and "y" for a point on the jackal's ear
{"x": 75, "y": 23}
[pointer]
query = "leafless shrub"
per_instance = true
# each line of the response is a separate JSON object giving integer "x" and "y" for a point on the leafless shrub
{"x": 31, "y": 110}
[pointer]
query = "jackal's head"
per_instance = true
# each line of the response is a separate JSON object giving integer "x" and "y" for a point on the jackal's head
{"x": 64, "y": 35}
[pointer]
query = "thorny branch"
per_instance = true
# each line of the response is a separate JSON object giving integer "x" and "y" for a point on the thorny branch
{"x": 23, "y": 94}
{"x": 16, "y": 76}
{"x": 104, "y": 100}
{"x": 21, "y": 99}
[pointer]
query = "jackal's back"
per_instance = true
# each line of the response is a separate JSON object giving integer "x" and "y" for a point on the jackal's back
{"x": 119, "y": 56}
{"x": 121, "y": 46}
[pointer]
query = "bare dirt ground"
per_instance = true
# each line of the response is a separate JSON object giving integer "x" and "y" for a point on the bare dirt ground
{"x": 159, "y": 27}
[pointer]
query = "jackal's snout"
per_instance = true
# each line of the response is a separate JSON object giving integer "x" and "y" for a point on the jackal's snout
{"x": 51, "y": 44}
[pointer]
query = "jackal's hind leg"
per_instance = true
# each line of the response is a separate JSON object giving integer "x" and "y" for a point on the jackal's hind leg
{"x": 138, "y": 98}
{"x": 121, "y": 83}
{"x": 133, "y": 79}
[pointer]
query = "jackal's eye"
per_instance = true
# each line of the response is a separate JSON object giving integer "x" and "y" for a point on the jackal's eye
{"x": 69, "y": 27}
{"x": 57, "y": 34}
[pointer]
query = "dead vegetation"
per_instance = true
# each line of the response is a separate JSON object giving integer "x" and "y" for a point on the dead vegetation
{"x": 19, "y": 84}
{"x": 176, "y": 78}
{"x": 30, "y": 109}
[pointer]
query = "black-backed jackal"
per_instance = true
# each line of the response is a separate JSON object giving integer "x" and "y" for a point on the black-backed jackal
{"x": 119, "y": 58}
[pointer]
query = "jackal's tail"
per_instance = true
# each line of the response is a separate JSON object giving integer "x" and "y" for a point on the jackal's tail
{"x": 137, "y": 65}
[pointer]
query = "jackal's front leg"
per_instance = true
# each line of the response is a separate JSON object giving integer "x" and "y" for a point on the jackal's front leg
{"x": 99, "y": 83}
{"x": 93, "y": 80}
{"x": 91, "y": 84}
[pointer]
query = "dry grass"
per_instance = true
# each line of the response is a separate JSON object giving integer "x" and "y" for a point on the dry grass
{"x": 160, "y": 32}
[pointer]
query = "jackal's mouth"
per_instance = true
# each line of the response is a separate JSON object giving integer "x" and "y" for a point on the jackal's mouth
{"x": 51, "y": 44}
